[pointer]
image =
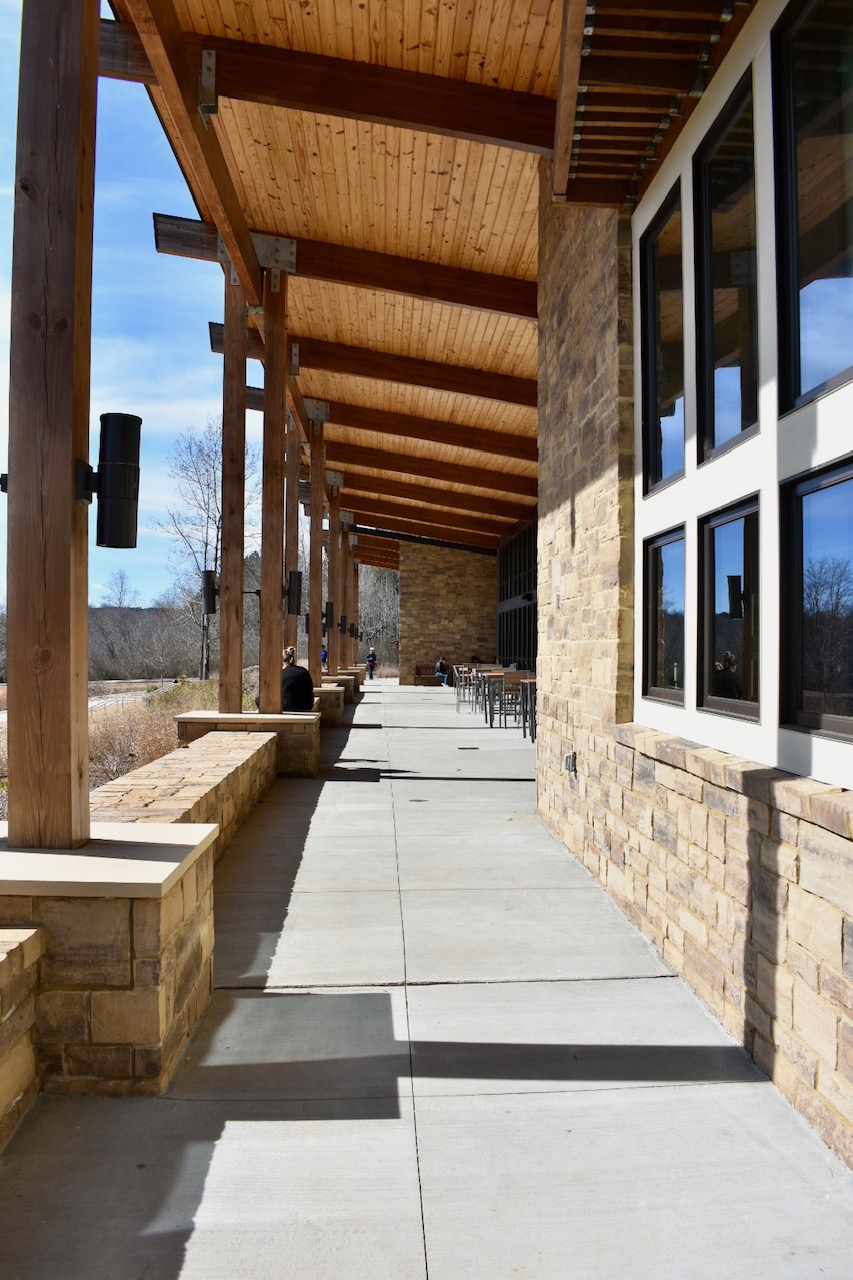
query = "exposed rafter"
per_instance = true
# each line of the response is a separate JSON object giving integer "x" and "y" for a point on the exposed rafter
{"x": 316, "y": 260}
{"x": 348, "y": 455}
{"x": 359, "y": 417}
{"x": 427, "y": 496}
{"x": 177, "y": 80}
{"x": 571, "y": 45}
{"x": 364, "y": 505}
{"x": 350, "y": 90}
{"x": 361, "y": 362}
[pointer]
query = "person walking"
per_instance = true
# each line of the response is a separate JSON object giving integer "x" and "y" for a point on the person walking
{"x": 371, "y": 661}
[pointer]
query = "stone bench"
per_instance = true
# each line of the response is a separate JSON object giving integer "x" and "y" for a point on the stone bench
{"x": 20, "y": 952}
{"x": 346, "y": 682}
{"x": 355, "y": 672}
{"x": 127, "y": 921}
{"x": 297, "y": 734}
{"x": 330, "y": 699}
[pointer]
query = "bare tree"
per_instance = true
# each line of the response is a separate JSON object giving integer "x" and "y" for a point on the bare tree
{"x": 194, "y": 523}
{"x": 828, "y": 629}
{"x": 379, "y": 612}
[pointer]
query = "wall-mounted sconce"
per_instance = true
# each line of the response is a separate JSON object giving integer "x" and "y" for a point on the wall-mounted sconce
{"x": 307, "y": 624}
{"x": 209, "y": 591}
{"x": 329, "y": 616}
{"x": 116, "y": 482}
{"x": 294, "y": 592}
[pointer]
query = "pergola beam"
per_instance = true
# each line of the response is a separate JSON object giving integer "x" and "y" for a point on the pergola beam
{"x": 349, "y": 90}
{"x": 364, "y": 506}
{"x": 362, "y": 418}
{"x": 442, "y": 497}
{"x": 177, "y": 79}
{"x": 450, "y": 473}
{"x": 361, "y": 362}
{"x": 364, "y": 269}
{"x": 571, "y": 44}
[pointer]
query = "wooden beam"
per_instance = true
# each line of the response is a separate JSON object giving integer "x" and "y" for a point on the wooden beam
{"x": 336, "y": 357}
{"x": 177, "y": 80}
{"x": 291, "y": 524}
{"x": 571, "y": 44}
{"x": 359, "y": 417}
{"x": 50, "y": 357}
{"x": 272, "y": 496}
{"x": 366, "y": 543}
{"x": 638, "y": 75}
{"x": 363, "y": 269}
{"x": 357, "y": 91}
{"x": 449, "y": 473}
{"x": 363, "y": 506}
{"x": 437, "y": 496}
{"x": 233, "y": 501}
{"x": 423, "y": 529}
{"x": 315, "y": 602}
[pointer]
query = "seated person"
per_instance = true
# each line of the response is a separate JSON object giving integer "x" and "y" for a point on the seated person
{"x": 297, "y": 686}
{"x": 441, "y": 671}
{"x": 727, "y": 681}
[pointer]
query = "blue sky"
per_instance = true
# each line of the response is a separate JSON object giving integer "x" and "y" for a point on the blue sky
{"x": 150, "y": 346}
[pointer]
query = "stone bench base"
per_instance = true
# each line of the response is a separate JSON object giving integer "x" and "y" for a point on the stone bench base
{"x": 127, "y": 969}
{"x": 345, "y": 682}
{"x": 297, "y": 734}
{"x": 330, "y": 699}
{"x": 20, "y": 952}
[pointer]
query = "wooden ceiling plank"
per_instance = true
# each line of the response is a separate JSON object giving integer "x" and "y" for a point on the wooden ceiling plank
{"x": 638, "y": 75}
{"x": 317, "y": 260}
{"x": 452, "y": 473}
{"x": 157, "y": 25}
{"x": 333, "y": 357}
{"x": 571, "y": 45}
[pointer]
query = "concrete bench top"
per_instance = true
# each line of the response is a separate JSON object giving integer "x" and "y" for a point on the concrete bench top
{"x": 251, "y": 719}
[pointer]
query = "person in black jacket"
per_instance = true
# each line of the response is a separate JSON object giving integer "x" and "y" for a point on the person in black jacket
{"x": 297, "y": 686}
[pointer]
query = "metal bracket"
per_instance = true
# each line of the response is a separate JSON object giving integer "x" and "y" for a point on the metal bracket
{"x": 86, "y": 481}
{"x": 353, "y": 541}
{"x": 275, "y": 280}
{"x": 275, "y": 251}
{"x": 346, "y": 517}
{"x": 294, "y": 360}
{"x": 335, "y": 479}
{"x": 208, "y": 103}
{"x": 317, "y": 410}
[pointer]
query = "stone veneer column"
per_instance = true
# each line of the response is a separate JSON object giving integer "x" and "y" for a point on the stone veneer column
{"x": 585, "y": 544}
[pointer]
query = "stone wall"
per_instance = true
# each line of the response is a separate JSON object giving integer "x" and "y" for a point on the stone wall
{"x": 297, "y": 734}
{"x": 448, "y": 606}
{"x": 741, "y": 876}
{"x": 20, "y": 952}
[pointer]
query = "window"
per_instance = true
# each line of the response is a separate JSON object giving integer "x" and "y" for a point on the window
{"x": 813, "y": 73}
{"x": 664, "y": 614}
{"x": 663, "y": 346}
{"x": 818, "y": 672}
{"x": 726, "y": 294}
{"x": 729, "y": 634}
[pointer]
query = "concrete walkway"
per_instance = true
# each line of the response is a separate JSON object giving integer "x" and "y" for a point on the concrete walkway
{"x": 436, "y": 1049}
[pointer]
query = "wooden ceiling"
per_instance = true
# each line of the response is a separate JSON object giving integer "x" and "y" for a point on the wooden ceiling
{"x": 398, "y": 146}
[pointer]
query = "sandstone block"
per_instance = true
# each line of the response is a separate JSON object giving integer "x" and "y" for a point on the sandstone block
{"x": 816, "y": 1023}
{"x": 826, "y": 866}
{"x": 127, "y": 1017}
{"x": 62, "y": 1017}
{"x": 87, "y": 942}
{"x": 816, "y": 925}
{"x": 17, "y": 1074}
{"x": 107, "y": 1061}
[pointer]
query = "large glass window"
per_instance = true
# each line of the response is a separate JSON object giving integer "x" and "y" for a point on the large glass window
{"x": 819, "y": 672}
{"x": 729, "y": 659}
{"x": 664, "y": 605}
{"x": 814, "y": 129}
{"x": 726, "y": 299}
{"x": 663, "y": 345}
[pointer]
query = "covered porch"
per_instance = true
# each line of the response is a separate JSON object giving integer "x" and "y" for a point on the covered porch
{"x": 435, "y": 1047}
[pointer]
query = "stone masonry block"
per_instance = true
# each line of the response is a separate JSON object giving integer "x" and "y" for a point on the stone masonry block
{"x": 87, "y": 942}
{"x": 63, "y": 1016}
{"x": 127, "y": 1017}
{"x": 826, "y": 866}
{"x": 816, "y": 925}
{"x": 17, "y": 1074}
{"x": 816, "y": 1023}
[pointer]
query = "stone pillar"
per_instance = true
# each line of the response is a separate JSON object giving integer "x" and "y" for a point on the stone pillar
{"x": 50, "y": 357}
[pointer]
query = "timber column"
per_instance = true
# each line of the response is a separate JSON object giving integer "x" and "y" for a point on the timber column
{"x": 50, "y": 357}
{"x": 233, "y": 499}
{"x": 315, "y": 604}
{"x": 272, "y": 491}
{"x": 334, "y": 639}
{"x": 291, "y": 522}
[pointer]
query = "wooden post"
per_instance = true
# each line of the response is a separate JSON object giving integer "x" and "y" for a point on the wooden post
{"x": 346, "y": 595}
{"x": 233, "y": 499}
{"x": 333, "y": 639}
{"x": 291, "y": 522}
{"x": 355, "y": 644}
{"x": 272, "y": 494}
{"x": 315, "y": 621}
{"x": 50, "y": 357}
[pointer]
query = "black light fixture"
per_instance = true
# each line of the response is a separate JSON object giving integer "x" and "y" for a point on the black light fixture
{"x": 329, "y": 618}
{"x": 342, "y": 624}
{"x": 209, "y": 591}
{"x": 294, "y": 591}
{"x": 116, "y": 482}
{"x": 307, "y": 624}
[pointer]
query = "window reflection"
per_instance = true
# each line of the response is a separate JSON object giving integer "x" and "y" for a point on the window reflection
{"x": 665, "y": 606}
{"x": 663, "y": 356}
{"x": 826, "y": 661}
{"x": 821, "y": 77}
{"x": 732, "y": 625}
{"x": 726, "y": 226}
